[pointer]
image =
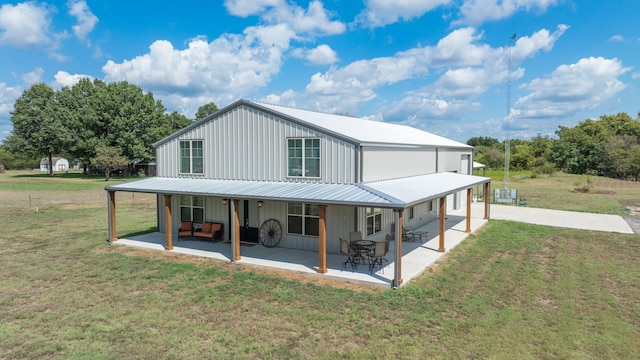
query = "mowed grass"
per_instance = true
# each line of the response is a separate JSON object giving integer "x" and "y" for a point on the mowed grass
{"x": 510, "y": 291}
{"x": 607, "y": 196}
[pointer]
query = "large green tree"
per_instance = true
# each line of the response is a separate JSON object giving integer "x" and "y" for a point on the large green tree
{"x": 206, "y": 110}
{"x": 37, "y": 121}
{"x": 605, "y": 146}
{"x": 109, "y": 159}
{"x": 82, "y": 118}
{"x": 132, "y": 119}
{"x": 177, "y": 121}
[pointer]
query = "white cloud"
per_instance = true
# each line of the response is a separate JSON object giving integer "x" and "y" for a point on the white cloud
{"x": 86, "y": 19}
{"x": 63, "y": 78}
{"x": 312, "y": 21}
{"x": 321, "y": 55}
{"x": 224, "y": 69}
{"x": 476, "y": 12}
{"x": 467, "y": 67}
{"x": 379, "y": 13}
{"x": 244, "y": 8}
{"x": 616, "y": 38}
{"x": 414, "y": 110}
{"x": 8, "y": 96}
{"x": 586, "y": 84}
{"x": 33, "y": 77}
{"x": 232, "y": 65}
{"x": 25, "y": 25}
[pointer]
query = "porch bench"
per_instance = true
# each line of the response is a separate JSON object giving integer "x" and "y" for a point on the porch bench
{"x": 209, "y": 230}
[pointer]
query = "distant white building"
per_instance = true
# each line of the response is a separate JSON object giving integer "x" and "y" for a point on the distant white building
{"x": 59, "y": 164}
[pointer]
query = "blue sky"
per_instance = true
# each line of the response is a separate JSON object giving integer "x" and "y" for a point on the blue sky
{"x": 438, "y": 65}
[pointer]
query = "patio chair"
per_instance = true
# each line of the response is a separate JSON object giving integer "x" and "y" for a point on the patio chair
{"x": 351, "y": 253}
{"x": 355, "y": 236}
{"x": 377, "y": 255}
{"x": 407, "y": 234}
{"x": 186, "y": 229}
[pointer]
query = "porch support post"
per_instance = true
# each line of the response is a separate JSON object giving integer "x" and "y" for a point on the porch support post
{"x": 235, "y": 234}
{"x": 443, "y": 214}
{"x": 322, "y": 240}
{"x": 168, "y": 222}
{"x": 468, "y": 229}
{"x": 397, "y": 269}
{"x": 111, "y": 213}
{"x": 486, "y": 200}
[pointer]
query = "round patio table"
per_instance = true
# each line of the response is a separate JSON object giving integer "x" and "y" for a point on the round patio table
{"x": 363, "y": 247}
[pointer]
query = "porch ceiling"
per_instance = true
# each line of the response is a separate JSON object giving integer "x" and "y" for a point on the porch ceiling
{"x": 398, "y": 193}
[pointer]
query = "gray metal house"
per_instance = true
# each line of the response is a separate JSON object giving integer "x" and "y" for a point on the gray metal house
{"x": 316, "y": 176}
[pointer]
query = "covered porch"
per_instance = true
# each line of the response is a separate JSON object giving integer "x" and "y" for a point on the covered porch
{"x": 397, "y": 194}
{"x": 416, "y": 256}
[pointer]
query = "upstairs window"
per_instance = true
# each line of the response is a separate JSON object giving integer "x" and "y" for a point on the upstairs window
{"x": 191, "y": 157}
{"x": 303, "y": 219}
{"x": 374, "y": 221}
{"x": 303, "y": 157}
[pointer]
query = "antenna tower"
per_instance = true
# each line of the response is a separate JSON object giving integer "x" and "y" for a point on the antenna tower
{"x": 507, "y": 142}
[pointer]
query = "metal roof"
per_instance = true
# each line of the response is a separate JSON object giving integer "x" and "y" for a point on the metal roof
{"x": 398, "y": 193}
{"x": 412, "y": 190}
{"x": 357, "y": 130}
{"x": 365, "y": 131}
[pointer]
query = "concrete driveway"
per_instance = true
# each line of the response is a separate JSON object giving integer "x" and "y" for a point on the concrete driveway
{"x": 560, "y": 218}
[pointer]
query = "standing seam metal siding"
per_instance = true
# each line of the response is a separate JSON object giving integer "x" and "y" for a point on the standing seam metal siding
{"x": 247, "y": 144}
{"x": 449, "y": 159}
{"x": 386, "y": 163}
{"x": 338, "y": 219}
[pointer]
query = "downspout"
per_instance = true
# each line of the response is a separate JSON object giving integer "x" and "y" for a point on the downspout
{"x": 437, "y": 157}
{"x": 358, "y": 177}
{"x": 359, "y": 165}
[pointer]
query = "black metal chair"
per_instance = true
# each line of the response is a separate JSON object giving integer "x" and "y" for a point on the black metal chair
{"x": 351, "y": 253}
{"x": 377, "y": 254}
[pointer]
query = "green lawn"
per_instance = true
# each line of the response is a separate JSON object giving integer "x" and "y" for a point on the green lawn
{"x": 559, "y": 192}
{"x": 510, "y": 291}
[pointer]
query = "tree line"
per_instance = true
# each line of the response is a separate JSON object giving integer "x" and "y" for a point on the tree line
{"x": 89, "y": 123}
{"x": 111, "y": 125}
{"x": 608, "y": 146}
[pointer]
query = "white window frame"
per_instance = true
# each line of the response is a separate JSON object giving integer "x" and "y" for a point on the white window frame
{"x": 375, "y": 216}
{"x": 305, "y": 157}
{"x": 191, "y": 157}
{"x": 307, "y": 213}
{"x": 191, "y": 203}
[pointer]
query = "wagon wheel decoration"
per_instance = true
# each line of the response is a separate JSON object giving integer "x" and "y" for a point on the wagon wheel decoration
{"x": 270, "y": 233}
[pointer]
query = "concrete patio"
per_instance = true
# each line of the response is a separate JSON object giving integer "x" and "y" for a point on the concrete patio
{"x": 416, "y": 256}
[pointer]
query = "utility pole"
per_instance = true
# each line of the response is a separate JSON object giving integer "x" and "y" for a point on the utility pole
{"x": 507, "y": 141}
